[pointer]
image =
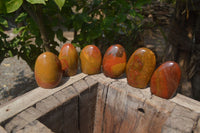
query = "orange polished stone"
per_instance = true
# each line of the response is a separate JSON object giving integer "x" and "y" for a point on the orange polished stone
{"x": 165, "y": 80}
{"x": 140, "y": 67}
{"x": 68, "y": 57}
{"x": 90, "y": 59}
{"x": 48, "y": 72}
{"x": 114, "y": 61}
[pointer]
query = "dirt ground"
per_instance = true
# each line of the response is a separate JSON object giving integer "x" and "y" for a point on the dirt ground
{"x": 15, "y": 78}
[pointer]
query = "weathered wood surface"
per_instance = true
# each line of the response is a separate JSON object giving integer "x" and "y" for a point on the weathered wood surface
{"x": 178, "y": 99}
{"x": 68, "y": 110}
{"x": 87, "y": 102}
{"x": 186, "y": 102}
{"x": 197, "y": 130}
{"x": 20, "y": 103}
{"x": 2, "y": 130}
{"x": 100, "y": 104}
{"x": 63, "y": 118}
{"x": 122, "y": 108}
{"x": 35, "y": 127}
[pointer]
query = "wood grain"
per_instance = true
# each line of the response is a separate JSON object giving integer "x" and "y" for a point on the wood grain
{"x": 122, "y": 108}
{"x": 187, "y": 102}
{"x": 2, "y": 130}
{"x": 20, "y": 103}
{"x": 35, "y": 127}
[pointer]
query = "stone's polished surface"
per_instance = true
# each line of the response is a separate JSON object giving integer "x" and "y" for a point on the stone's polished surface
{"x": 114, "y": 61}
{"x": 48, "y": 72}
{"x": 140, "y": 67}
{"x": 90, "y": 59}
{"x": 68, "y": 57}
{"x": 165, "y": 80}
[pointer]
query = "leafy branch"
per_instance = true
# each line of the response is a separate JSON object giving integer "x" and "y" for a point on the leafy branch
{"x": 38, "y": 22}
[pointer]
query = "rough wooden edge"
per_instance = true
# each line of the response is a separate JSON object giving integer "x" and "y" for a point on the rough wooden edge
{"x": 181, "y": 107}
{"x": 20, "y": 103}
{"x": 29, "y": 99}
{"x": 178, "y": 99}
{"x": 2, "y": 130}
{"x": 187, "y": 102}
{"x": 35, "y": 127}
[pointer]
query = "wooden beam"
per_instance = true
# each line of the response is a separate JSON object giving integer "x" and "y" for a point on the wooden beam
{"x": 187, "y": 102}
{"x": 178, "y": 99}
{"x": 2, "y": 130}
{"x": 30, "y": 98}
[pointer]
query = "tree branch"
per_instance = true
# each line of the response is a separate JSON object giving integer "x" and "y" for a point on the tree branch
{"x": 38, "y": 18}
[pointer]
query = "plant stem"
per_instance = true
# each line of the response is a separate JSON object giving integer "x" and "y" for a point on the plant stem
{"x": 42, "y": 27}
{"x": 37, "y": 16}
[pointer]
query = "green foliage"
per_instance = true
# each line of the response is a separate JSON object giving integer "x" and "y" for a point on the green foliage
{"x": 37, "y": 1}
{"x": 60, "y": 3}
{"x": 100, "y": 22}
{"x": 8, "y": 6}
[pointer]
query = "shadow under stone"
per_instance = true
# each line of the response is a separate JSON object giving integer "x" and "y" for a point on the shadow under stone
{"x": 22, "y": 84}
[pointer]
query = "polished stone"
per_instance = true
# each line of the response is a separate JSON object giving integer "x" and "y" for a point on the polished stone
{"x": 114, "y": 61}
{"x": 140, "y": 67}
{"x": 68, "y": 57}
{"x": 48, "y": 72}
{"x": 90, "y": 59}
{"x": 165, "y": 80}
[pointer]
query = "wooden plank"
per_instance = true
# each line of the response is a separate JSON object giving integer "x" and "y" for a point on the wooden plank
{"x": 2, "y": 130}
{"x": 120, "y": 111}
{"x": 47, "y": 104}
{"x": 33, "y": 112}
{"x": 166, "y": 129}
{"x": 87, "y": 100}
{"x": 155, "y": 112}
{"x": 178, "y": 99}
{"x": 35, "y": 127}
{"x": 66, "y": 94}
{"x": 102, "y": 79}
{"x": 100, "y": 104}
{"x": 128, "y": 109}
{"x": 70, "y": 116}
{"x": 15, "y": 124}
{"x": 197, "y": 129}
{"x": 187, "y": 102}
{"x": 64, "y": 118}
{"x": 182, "y": 119}
{"x": 20, "y": 103}
{"x": 91, "y": 97}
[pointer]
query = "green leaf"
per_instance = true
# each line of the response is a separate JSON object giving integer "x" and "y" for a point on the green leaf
{"x": 21, "y": 17}
{"x": 8, "y": 6}
{"x": 10, "y": 53}
{"x": 37, "y": 1}
{"x": 60, "y": 3}
{"x": 3, "y": 22}
{"x": 17, "y": 30}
